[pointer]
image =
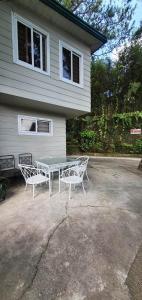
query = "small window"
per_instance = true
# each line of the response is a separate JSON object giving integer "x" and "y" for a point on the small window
{"x": 34, "y": 126}
{"x": 30, "y": 45}
{"x": 71, "y": 65}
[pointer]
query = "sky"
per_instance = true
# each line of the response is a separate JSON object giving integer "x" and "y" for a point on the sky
{"x": 137, "y": 18}
{"x": 138, "y": 12}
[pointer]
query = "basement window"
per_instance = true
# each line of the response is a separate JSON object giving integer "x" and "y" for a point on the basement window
{"x": 34, "y": 126}
{"x": 30, "y": 45}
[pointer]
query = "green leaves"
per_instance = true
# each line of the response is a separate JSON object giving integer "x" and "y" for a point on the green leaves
{"x": 88, "y": 138}
{"x": 112, "y": 18}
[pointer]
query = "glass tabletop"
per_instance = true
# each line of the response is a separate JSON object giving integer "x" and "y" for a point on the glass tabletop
{"x": 56, "y": 160}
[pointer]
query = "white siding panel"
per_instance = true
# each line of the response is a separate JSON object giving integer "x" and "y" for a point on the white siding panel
{"x": 37, "y": 84}
{"x": 22, "y": 81}
{"x": 39, "y": 146}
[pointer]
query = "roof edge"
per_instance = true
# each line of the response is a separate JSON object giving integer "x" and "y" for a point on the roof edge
{"x": 76, "y": 20}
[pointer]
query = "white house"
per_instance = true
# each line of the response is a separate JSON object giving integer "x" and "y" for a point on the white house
{"x": 44, "y": 75}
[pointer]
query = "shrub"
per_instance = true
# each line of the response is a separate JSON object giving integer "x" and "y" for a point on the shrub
{"x": 127, "y": 148}
{"x": 88, "y": 138}
{"x": 138, "y": 147}
{"x": 72, "y": 149}
{"x": 98, "y": 147}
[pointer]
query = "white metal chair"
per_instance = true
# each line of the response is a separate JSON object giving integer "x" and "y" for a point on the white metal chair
{"x": 73, "y": 176}
{"x": 82, "y": 160}
{"x": 34, "y": 176}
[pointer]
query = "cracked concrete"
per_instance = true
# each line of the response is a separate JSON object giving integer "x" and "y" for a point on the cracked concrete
{"x": 82, "y": 249}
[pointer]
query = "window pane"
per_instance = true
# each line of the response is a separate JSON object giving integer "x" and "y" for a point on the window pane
{"x": 44, "y": 52}
{"x": 66, "y": 63}
{"x": 36, "y": 44}
{"x": 28, "y": 125}
{"x": 24, "y": 43}
{"x": 43, "y": 126}
{"x": 76, "y": 68}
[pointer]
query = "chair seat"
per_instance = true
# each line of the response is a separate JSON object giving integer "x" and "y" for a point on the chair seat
{"x": 72, "y": 179}
{"x": 36, "y": 179}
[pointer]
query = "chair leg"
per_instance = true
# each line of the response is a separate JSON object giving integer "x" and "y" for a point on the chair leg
{"x": 70, "y": 191}
{"x": 87, "y": 175}
{"x": 50, "y": 183}
{"x": 33, "y": 191}
{"x": 84, "y": 192}
{"x": 26, "y": 186}
{"x": 59, "y": 183}
{"x": 49, "y": 188}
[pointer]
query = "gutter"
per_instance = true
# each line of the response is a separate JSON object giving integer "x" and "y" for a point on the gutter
{"x": 74, "y": 19}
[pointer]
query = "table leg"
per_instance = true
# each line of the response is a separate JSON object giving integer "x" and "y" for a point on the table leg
{"x": 59, "y": 182}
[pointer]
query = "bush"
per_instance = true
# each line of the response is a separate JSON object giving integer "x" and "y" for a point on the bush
{"x": 138, "y": 147}
{"x": 99, "y": 147}
{"x": 88, "y": 138}
{"x": 127, "y": 148}
{"x": 72, "y": 149}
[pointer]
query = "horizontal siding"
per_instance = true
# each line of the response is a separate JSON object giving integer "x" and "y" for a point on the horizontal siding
{"x": 5, "y": 66}
{"x": 39, "y": 146}
{"x": 31, "y": 84}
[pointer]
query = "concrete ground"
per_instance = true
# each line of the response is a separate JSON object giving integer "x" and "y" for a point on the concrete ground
{"x": 82, "y": 249}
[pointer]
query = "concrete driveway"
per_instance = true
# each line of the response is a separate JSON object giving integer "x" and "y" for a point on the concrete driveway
{"x": 85, "y": 249}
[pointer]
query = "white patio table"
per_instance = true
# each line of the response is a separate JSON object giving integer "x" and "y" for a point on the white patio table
{"x": 56, "y": 164}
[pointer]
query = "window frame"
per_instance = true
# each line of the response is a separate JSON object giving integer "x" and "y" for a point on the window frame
{"x": 15, "y": 19}
{"x": 62, "y": 45}
{"x": 36, "y": 133}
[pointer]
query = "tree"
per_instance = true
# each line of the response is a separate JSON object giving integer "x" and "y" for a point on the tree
{"x": 113, "y": 19}
{"x": 130, "y": 74}
{"x": 104, "y": 87}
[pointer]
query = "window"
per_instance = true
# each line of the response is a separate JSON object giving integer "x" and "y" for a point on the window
{"x": 71, "y": 65}
{"x": 30, "y": 45}
{"x": 34, "y": 126}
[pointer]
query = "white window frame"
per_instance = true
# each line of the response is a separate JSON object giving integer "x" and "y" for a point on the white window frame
{"x": 15, "y": 19}
{"x": 36, "y": 133}
{"x": 73, "y": 50}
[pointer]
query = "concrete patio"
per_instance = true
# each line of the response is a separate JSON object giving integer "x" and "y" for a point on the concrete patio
{"x": 82, "y": 249}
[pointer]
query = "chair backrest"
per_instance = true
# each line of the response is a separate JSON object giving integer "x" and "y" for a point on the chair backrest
{"x": 78, "y": 170}
{"x": 83, "y": 159}
{"x": 27, "y": 171}
{"x": 81, "y": 169}
{"x": 25, "y": 159}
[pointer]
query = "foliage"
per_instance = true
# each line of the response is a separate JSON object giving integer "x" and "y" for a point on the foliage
{"x": 88, "y": 138}
{"x": 98, "y": 147}
{"x": 3, "y": 188}
{"x": 116, "y": 98}
{"x": 130, "y": 78}
{"x": 117, "y": 88}
{"x": 126, "y": 148}
{"x": 111, "y": 134}
{"x": 111, "y": 18}
{"x": 138, "y": 146}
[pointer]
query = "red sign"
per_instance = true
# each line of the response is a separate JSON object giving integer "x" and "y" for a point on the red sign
{"x": 136, "y": 131}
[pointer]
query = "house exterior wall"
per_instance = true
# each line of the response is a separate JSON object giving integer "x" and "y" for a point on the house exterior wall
{"x": 23, "y": 82}
{"x": 40, "y": 146}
